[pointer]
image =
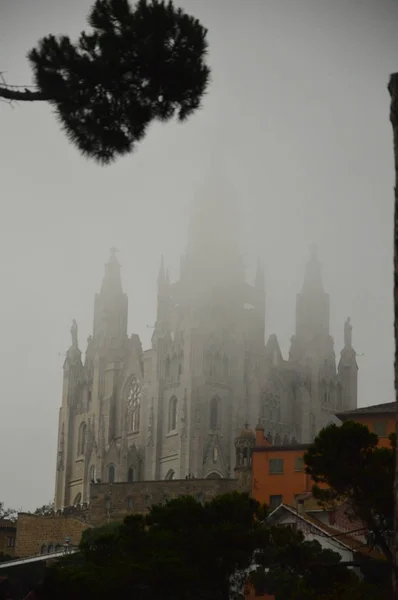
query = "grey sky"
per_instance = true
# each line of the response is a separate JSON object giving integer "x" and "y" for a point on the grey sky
{"x": 296, "y": 119}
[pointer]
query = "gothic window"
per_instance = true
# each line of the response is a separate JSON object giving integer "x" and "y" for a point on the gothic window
{"x": 134, "y": 404}
{"x": 170, "y": 475}
{"x": 129, "y": 503}
{"x": 111, "y": 474}
{"x": 174, "y": 367}
{"x": 81, "y": 441}
{"x": 108, "y": 504}
{"x": 173, "y": 414}
{"x": 225, "y": 366}
{"x": 214, "y": 413}
{"x": 167, "y": 367}
{"x": 217, "y": 366}
{"x": 77, "y": 500}
{"x": 215, "y": 454}
{"x": 130, "y": 475}
{"x": 92, "y": 474}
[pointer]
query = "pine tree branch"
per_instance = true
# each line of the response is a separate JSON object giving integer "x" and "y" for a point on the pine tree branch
{"x": 26, "y": 95}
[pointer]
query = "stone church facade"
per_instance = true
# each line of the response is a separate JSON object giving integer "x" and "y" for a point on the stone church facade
{"x": 175, "y": 410}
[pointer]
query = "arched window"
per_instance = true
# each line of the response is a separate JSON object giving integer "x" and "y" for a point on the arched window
{"x": 81, "y": 440}
{"x": 111, "y": 474}
{"x": 92, "y": 474}
{"x": 129, "y": 503}
{"x": 134, "y": 404}
{"x": 225, "y": 366}
{"x": 77, "y": 500}
{"x": 170, "y": 475}
{"x": 130, "y": 475}
{"x": 173, "y": 414}
{"x": 167, "y": 367}
{"x": 214, "y": 413}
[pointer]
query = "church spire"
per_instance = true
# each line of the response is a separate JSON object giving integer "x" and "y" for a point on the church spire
{"x": 112, "y": 282}
{"x": 260, "y": 279}
{"x": 213, "y": 257}
{"x": 162, "y": 275}
{"x": 111, "y": 305}
{"x": 313, "y": 275}
{"x": 312, "y": 305}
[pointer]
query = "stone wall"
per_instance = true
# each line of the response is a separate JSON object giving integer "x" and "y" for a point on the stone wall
{"x": 114, "y": 502}
{"x": 34, "y": 532}
{"x": 7, "y": 537}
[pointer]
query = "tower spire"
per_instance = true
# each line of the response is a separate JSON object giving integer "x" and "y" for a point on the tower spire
{"x": 161, "y": 276}
{"x": 313, "y": 273}
{"x": 111, "y": 304}
{"x": 112, "y": 282}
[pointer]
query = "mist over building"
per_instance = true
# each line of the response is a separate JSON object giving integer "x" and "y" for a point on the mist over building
{"x": 175, "y": 410}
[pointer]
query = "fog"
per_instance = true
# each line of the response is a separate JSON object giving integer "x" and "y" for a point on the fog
{"x": 295, "y": 127}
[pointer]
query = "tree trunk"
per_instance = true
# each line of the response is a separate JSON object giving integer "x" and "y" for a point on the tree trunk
{"x": 393, "y": 89}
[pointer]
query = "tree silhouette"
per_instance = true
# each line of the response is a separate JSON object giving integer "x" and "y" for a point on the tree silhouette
{"x": 138, "y": 65}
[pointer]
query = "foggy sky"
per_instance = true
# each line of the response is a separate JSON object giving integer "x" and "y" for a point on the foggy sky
{"x": 297, "y": 117}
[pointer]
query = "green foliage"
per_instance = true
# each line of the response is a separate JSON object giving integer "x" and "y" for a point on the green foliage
{"x": 348, "y": 460}
{"x": 7, "y": 513}
{"x": 46, "y": 509}
{"x": 137, "y": 65}
{"x": 180, "y": 550}
{"x": 184, "y": 550}
{"x": 294, "y": 569}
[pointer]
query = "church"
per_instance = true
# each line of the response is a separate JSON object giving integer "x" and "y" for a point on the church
{"x": 174, "y": 411}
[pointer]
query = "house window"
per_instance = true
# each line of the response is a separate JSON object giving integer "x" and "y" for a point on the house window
{"x": 111, "y": 474}
{"x": 130, "y": 475}
{"x": 173, "y": 414}
{"x": 299, "y": 464}
{"x": 380, "y": 428}
{"x": 276, "y": 466}
{"x": 274, "y": 502}
{"x": 10, "y": 542}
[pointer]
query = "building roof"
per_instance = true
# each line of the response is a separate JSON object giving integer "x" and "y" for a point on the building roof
{"x": 282, "y": 448}
{"x": 336, "y": 535}
{"x": 374, "y": 409}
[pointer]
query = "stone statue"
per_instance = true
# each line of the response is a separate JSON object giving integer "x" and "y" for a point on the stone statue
{"x": 348, "y": 333}
{"x": 73, "y": 332}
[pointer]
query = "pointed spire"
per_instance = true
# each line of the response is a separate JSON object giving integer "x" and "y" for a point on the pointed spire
{"x": 313, "y": 275}
{"x": 260, "y": 279}
{"x": 112, "y": 282}
{"x": 348, "y": 333}
{"x": 161, "y": 276}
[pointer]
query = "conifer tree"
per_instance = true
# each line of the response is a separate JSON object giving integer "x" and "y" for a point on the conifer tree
{"x": 138, "y": 64}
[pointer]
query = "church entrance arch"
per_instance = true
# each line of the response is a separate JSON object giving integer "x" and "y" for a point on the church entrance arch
{"x": 214, "y": 475}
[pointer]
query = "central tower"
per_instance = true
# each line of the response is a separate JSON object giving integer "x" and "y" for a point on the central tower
{"x": 200, "y": 346}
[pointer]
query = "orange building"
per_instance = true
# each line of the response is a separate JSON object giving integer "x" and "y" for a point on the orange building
{"x": 378, "y": 418}
{"x": 278, "y": 471}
